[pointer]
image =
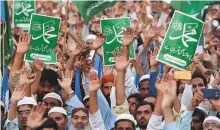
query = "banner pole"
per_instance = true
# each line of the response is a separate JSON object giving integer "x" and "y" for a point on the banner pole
{"x": 3, "y": 49}
{"x": 65, "y": 34}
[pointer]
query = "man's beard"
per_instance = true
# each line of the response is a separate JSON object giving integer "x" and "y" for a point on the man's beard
{"x": 74, "y": 128}
{"x": 142, "y": 126}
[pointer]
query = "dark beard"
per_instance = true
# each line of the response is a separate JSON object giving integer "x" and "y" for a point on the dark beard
{"x": 142, "y": 126}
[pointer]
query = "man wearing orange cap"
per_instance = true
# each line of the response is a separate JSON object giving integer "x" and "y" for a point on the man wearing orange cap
{"x": 107, "y": 83}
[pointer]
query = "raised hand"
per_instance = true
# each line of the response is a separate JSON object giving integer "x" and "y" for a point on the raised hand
{"x": 168, "y": 90}
{"x": 94, "y": 82}
{"x": 66, "y": 80}
{"x": 99, "y": 41}
{"x": 121, "y": 60}
{"x": 75, "y": 49}
{"x": 150, "y": 34}
{"x": 23, "y": 44}
{"x": 26, "y": 77}
{"x": 35, "y": 118}
{"x": 153, "y": 55}
{"x": 37, "y": 65}
{"x": 128, "y": 36}
{"x": 138, "y": 67}
{"x": 197, "y": 58}
{"x": 217, "y": 50}
{"x": 207, "y": 57}
{"x": 18, "y": 93}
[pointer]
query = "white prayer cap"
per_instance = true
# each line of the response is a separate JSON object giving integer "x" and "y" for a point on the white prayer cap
{"x": 203, "y": 109}
{"x": 144, "y": 77}
{"x": 86, "y": 97}
{"x": 57, "y": 109}
{"x": 27, "y": 101}
{"x": 2, "y": 103}
{"x": 126, "y": 117}
{"x": 90, "y": 37}
{"x": 54, "y": 95}
{"x": 211, "y": 118}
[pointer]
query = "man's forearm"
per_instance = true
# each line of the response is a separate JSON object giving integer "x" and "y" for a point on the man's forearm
{"x": 168, "y": 115}
{"x": 70, "y": 63}
{"x": 36, "y": 84}
{"x": 18, "y": 61}
{"x": 12, "y": 110}
{"x": 120, "y": 87}
{"x": 158, "y": 110}
{"x": 93, "y": 102}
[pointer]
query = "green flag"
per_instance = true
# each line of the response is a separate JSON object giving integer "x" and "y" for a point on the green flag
{"x": 191, "y": 7}
{"x": 88, "y": 9}
{"x": 7, "y": 46}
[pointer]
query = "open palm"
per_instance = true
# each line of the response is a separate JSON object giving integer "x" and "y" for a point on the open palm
{"x": 24, "y": 43}
{"x": 128, "y": 37}
{"x": 18, "y": 93}
{"x": 35, "y": 118}
{"x": 94, "y": 82}
{"x": 98, "y": 42}
{"x": 66, "y": 80}
{"x": 153, "y": 61}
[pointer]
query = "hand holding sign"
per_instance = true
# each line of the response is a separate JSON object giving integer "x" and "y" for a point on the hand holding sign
{"x": 23, "y": 44}
{"x": 128, "y": 37}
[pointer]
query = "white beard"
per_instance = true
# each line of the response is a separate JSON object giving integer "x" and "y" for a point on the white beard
{"x": 74, "y": 128}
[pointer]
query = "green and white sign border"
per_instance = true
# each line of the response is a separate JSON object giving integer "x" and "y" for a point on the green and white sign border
{"x": 13, "y": 24}
{"x": 103, "y": 44}
{"x": 166, "y": 35}
{"x": 29, "y": 32}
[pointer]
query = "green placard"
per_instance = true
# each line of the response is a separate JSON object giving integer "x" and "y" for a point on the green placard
{"x": 44, "y": 34}
{"x": 180, "y": 42}
{"x": 22, "y": 13}
{"x": 113, "y": 30}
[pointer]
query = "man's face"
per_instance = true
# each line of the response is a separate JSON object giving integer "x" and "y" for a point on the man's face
{"x": 87, "y": 104}
{"x": 143, "y": 115}
{"x": 80, "y": 120}
{"x": 89, "y": 42}
{"x": 50, "y": 103}
{"x": 197, "y": 83}
{"x": 60, "y": 119}
{"x": 106, "y": 90}
{"x": 211, "y": 125}
{"x": 45, "y": 88}
{"x": 144, "y": 85}
{"x": 196, "y": 123}
{"x": 23, "y": 112}
{"x": 124, "y": 125}
{"x": 132, "y": 105}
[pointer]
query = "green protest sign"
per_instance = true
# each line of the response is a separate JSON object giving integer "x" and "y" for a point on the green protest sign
{"x": 22, "y": 13}
{"x": 44, "y": 34}
{"x": 180, "y": 42}
{"x": 113, "y": 30}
